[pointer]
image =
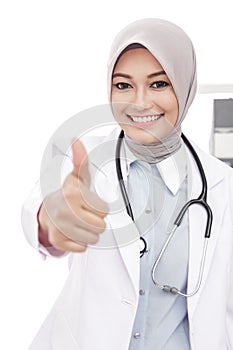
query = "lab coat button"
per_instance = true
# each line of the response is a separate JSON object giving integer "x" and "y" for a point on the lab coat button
{"x": 136, "y": 335}
{"x": 148, "y": 211}
{"x": 141, "y": 292}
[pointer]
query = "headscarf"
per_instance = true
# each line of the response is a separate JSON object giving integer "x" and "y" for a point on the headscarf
{"x": 171, "y": 46}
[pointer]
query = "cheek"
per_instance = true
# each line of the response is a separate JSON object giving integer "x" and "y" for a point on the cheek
{"x": 175, "y": 109}
{"x": 118, "y": 111}
{"x": 119, "y": 106}
{"x": 167, "y": 100}
{"x": 119, "y": 97}
{"x": 112, "y": 96}
{"x": 174, "y": 103}
{"x": 115, "y": 94}
{"x": 170, "y": 104}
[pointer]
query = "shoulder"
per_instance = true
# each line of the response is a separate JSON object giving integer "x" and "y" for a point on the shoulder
{"x": 217, "y": 171}
{"x": 212, "y": 164}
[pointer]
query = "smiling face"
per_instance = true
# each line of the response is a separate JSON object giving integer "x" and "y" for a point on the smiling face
{"x": 143, "y": 100}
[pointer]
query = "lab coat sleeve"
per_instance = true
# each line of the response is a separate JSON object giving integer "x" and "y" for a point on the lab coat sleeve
{"x": 41, "y": 189}
{"x": 229, "y": 320}
{"x": 231, "y": 195}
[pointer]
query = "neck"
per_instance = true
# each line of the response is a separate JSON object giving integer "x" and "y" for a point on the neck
{"x": 155, "y": 152}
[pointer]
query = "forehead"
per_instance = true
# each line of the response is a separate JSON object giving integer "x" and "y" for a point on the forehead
{"x": 137, "y": 59}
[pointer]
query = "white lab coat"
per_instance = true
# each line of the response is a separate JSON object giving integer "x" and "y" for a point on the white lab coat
{"x": 97, "y": 306}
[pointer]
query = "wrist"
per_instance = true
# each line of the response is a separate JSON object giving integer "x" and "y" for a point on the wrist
{"x": 42, "y": 229}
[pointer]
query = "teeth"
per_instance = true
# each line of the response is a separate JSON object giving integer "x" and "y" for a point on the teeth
{"x": 145, "y": 119}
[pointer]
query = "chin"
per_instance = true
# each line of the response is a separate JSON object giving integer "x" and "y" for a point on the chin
{"x": 147, "y": 135}
{"x": 141, "y": 136}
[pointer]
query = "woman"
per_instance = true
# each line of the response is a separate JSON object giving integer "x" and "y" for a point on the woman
{"x": 111, "y": 299}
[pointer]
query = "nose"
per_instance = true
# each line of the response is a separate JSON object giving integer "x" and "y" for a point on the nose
{"x": 141, "y": 100}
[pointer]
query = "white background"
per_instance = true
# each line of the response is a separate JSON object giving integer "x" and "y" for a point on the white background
{"x": 53, "y": 65}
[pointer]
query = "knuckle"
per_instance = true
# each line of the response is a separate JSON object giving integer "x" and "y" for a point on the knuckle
{"x": 102, "y": 226}
{"x": 71, "y": 192}
{"x": 85, "y": 195}
{"x": 81, "y": 248}
{"x": 58, "y": 214}
{"x": 94, "y": 239}
{"x": 97, "y": 227}
{"x": 103, "y": 207}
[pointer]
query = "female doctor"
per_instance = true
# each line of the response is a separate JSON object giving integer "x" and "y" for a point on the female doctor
{"x": 156, "y": 287}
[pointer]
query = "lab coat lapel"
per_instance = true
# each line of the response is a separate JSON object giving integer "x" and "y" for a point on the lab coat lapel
{"x": 197, "y": 224}
{"x": 121, "y": 231}
{"x": 128, "y": 243}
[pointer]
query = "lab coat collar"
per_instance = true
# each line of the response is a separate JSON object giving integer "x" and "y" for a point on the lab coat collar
{"x": 173, "y": 169}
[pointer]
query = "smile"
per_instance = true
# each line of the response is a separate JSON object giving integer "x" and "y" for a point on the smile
{"x": 146, "y": 119}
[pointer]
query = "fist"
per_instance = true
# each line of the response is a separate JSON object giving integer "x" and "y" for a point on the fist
{"x": 73, "y": 217}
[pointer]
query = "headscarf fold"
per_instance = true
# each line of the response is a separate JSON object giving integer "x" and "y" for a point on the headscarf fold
{"x": 171, "y": 46}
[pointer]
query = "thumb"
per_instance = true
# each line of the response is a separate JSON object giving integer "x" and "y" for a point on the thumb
{"x": 80, "y": 162}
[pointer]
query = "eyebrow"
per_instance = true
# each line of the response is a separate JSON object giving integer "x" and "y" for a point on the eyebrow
{"x": 129, "y": 76}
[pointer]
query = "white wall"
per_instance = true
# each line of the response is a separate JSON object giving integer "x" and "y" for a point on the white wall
{"x": 53, "y": 65}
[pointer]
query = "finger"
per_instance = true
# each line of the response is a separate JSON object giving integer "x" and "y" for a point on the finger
{"x": 81, "y": 236}
{"x": 73, "y": 247}
{"x": 78, "y": 198}
{"x": 62, "y": 242}
{"x": 70, "y": 246}
{"x": 92, "y": 202}
{"x": 79, "y": 217}
{"x": 90, "y": 222}
{"x": 76, "y": 238}
{"x": 80, "y": 162}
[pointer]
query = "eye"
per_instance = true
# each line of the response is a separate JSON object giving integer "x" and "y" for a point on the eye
{"x": 159, "y": 84}
{"x": 122, "y": 86}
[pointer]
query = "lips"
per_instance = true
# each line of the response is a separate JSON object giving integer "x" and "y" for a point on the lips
{"x": 145, "y": 119}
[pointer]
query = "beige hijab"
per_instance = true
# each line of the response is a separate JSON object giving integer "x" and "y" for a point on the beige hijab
{"x": 171, "y": 46}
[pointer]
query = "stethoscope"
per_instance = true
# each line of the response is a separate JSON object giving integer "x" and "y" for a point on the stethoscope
{"x": 201, "y": 200}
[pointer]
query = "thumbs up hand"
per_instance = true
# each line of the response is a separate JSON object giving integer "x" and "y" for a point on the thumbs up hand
{"x": 73, "y": 217}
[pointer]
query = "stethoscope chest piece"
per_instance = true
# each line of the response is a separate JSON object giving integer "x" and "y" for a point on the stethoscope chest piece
{"x": 143, "y": 246}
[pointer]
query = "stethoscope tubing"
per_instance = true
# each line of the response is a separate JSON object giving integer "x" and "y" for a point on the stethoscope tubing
{"x": 200, "y": 200}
